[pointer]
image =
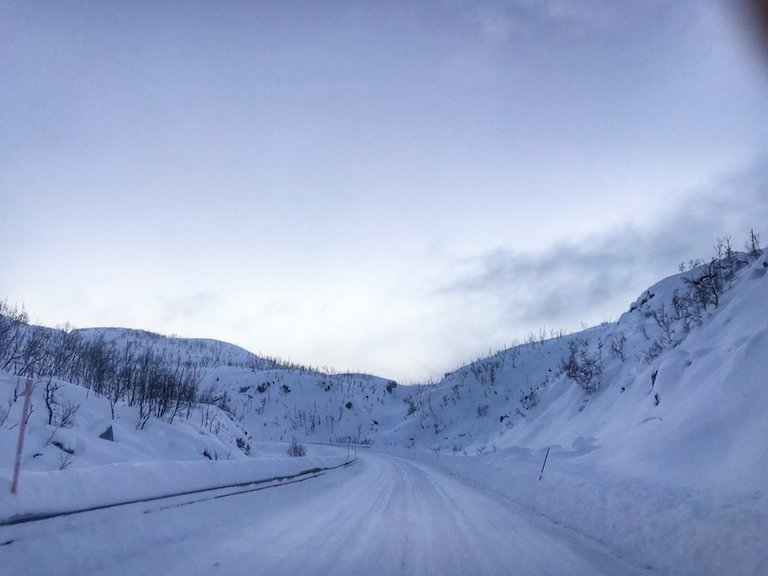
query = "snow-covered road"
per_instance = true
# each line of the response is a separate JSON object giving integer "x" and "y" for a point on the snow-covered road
{"x": 383, "y": 515}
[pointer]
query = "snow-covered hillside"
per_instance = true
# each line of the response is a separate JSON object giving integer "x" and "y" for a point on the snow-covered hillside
{"x": 677, "y": 370}
{"x": 673, "y": 363}
{"x": 666, "y": 391}
{"x": 650, "y": 431}
{"x": 314, "y": 406}
{"x": 204, "y": 352}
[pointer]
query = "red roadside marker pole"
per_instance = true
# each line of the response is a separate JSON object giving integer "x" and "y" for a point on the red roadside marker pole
{"x": 22, "y": 430}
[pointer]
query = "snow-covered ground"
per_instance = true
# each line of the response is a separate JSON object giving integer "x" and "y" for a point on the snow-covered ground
{"x": 384, "y": 515}
{"x": 62, "y": 492}
{"x": 664, "y": 527}
{"x": 658, "y": 458}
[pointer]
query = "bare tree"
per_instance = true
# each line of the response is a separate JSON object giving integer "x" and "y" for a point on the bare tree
{"x": 35, "y": 351}
{"x": 617, "y": 346}
{"x": 51, "y": 388}
{"x": 753, "y": 244}
{"x": 707, "y": 287}
{"x": 665, "y": 321}
{"x": 580, "y": 367}
{"x": 13, "y": 324}
{"x": 61, "y": 415}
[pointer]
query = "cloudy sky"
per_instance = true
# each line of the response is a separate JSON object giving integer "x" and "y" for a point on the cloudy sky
{"x": 394, "y": 187}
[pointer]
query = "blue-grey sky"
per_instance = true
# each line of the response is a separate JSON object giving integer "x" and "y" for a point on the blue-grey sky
{"x": 394, "y": 187}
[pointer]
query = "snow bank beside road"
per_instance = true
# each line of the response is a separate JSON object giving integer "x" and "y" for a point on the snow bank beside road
{"x": 72, "y": 489}
{"x": 668, "y": 529}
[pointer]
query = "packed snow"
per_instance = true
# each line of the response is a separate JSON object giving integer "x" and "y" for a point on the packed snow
{"x": 386, "y": 515}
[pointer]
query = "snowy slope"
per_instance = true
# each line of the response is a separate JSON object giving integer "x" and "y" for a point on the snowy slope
{"x": 665, "y": 461}
{"x": 275, "y": 400}
{"x": 657, "y": 382}
{"x": 675, "y": 403}
{"x": 314, "y": 406}
{"x": 73, "y": 466}
{"x": 206, "y": 352}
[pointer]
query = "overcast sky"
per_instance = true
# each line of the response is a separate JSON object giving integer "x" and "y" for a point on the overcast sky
{"x": 392, "y": 187}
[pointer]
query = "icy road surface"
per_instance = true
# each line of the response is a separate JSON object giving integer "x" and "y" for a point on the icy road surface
{"x": 383, "y": 515}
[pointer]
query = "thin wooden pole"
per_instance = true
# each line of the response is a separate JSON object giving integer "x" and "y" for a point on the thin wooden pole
{"x": 22, "y": 430}
{"x": 545, "y": 463}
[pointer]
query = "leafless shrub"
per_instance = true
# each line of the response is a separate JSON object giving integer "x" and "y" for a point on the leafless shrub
{"x": 617, "y": 346}
{"x": 65, "y": 460}
{"x": 653, "y": 351}
{"x": 296, "y": 450}
{"x": 753, "y": 244}
{"x": 529, "y": 399}
{"x": 582, "y": 368}
{"x": 665, "y": 321}
{"x": 67, "y": 414}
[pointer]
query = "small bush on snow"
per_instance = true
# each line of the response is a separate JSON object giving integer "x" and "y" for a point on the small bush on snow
{"x": 296, "y": 450}
{"x": 580, "y": 367}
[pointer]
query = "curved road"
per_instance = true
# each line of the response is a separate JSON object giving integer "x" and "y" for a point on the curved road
{"x": 383, "y": 515}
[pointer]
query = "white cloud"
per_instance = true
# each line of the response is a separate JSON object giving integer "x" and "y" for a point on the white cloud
{"x": 595, "y": 278}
